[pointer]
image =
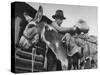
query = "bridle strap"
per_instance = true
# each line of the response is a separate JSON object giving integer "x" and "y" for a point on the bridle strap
{"x": 29, "y": 38}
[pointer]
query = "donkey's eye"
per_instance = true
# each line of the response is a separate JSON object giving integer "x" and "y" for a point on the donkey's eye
{"x": 30, "y": 26}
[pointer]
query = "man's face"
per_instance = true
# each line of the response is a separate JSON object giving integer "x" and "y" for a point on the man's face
{"x": 59, "y": 21}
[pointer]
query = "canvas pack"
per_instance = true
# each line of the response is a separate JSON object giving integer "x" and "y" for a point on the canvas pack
{"x": 53, "y": 37}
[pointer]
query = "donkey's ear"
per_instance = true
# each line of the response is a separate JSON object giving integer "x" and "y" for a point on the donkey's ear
{"x": 40, "y": 10}
{"x": 39, "y": 14}
{"x": 27, "y": 17}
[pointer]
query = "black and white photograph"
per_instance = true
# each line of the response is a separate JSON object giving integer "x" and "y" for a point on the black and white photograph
{"x": 49, "y": 37}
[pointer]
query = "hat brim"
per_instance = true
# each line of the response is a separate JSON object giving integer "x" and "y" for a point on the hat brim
{"x": 59, "y": 17}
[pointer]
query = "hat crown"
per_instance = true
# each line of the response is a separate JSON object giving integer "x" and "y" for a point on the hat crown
{"x": 59, "y": 12}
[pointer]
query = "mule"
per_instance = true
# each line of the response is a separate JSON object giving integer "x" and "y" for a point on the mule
{"x": 53, "y": 40}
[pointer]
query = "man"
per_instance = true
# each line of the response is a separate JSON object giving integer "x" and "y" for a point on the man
{"x": 59, "y": 17}
{"x": 70, "y": 40}
{"x": 80, "y": 27}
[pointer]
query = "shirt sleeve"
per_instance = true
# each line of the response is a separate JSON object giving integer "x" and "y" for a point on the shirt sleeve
{"x": 62, "y": 29}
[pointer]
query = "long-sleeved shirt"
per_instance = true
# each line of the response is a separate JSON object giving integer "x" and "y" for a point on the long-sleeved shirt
{"x": 62, "y": 29}
{"x": 81, "y": 28}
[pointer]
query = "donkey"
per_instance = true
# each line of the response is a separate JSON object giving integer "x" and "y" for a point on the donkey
{"x": 53, "y": 40}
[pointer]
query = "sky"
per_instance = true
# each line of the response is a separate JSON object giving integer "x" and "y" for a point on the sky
{"x": 72, "y": 13}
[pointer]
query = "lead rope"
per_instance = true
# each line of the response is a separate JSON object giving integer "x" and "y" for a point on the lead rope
{"x": 45, "y": 61}
{"x": 33, "y": 58}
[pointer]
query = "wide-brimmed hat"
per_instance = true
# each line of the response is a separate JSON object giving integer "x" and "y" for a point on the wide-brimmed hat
{"x": 59, "y": 15}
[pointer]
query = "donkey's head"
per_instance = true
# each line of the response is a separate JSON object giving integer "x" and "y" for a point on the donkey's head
{"x": 34, "y": 23}
{"x": 31, "y": 28}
